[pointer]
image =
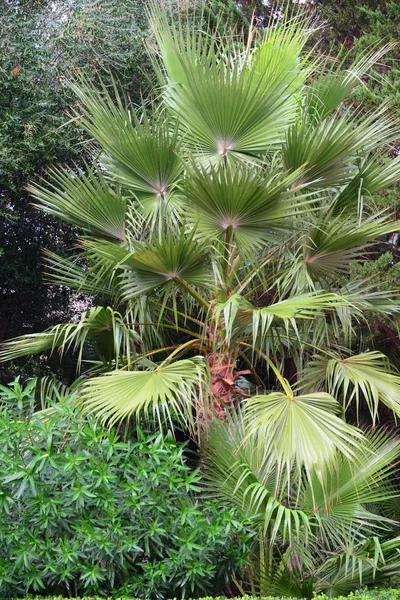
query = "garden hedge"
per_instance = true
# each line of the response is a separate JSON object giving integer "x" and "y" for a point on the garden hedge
{"x": 376, "y": 594}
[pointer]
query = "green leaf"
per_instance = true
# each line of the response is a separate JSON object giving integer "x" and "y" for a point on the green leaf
{"x": 171, "y": 390}
{"x": 367, "y": 376}
{"x": 334, "y": 242}
{"x": 237, "y": 109}
{"x": 102, "y": 327}
{"x": 143, "y": 150}
{"x": 84, "y": 200}
{"x": 372, "y": 176}
{"x": 339, "y": 500}
{"x": 254, "y": 207}
{"x": 325, "y": 93}
{"x": 325, "y": 151}
{"x": 305, "y": 430}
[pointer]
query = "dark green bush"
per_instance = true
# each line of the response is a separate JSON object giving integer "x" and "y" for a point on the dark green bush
{"x": 84, "y": 512}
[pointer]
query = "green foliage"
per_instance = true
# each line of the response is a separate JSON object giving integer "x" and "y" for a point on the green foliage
{"x": 383, "y": 272}
{"x": 84, "y": 511}
{"x": 222, "y": 225}
{"x": 42, "y": 43}
{"x": 375, "y": 594}
{"x": 318, "y": 530}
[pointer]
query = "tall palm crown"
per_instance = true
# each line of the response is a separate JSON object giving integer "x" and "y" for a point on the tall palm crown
{"x": 220, "y": 223}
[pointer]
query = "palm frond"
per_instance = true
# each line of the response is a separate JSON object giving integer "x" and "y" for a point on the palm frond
{"x": 255, "y": 208}
{"x": 102, "y": 328}
{"x": 305, "y": 431}
{"x": 327, "y": 91}
{"x": 167, "y": 391}
{"x": 372, "y": 176}
{"x": 361, "y": 564}
{"x": 334, "y": 242}
{"x": 326, "y": 151}
{"x": 239, "y": 471}
{"x": 367, "y": 376}
{"x": 143, "y": 149}
{"x": 228, "y": 105}
{"x": 84, "y": 200}
{"x": 74, "y": 274}
{"x": 340, "y": 500}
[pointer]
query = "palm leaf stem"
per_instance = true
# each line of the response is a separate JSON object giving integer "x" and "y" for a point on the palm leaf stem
{"x": 284, "y": 383}
{"x": 247, "y": 279}
{"x": 186, "y": 286}
{"x": 178, "y": 350}
{"x": 146, "y": 354}
{"x": 228, "y": 253}
{"x": 251, "y": 366}
{"x": 181, "y": 314}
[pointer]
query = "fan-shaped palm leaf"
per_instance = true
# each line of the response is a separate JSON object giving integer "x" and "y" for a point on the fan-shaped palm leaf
{"x": 143, "y": 151}
{"x": 171, "y": 259}
{"x": 334, "y": 242}
{"x": 84, "y": 200}
{"x": 325, "y": 150}
{"x": 73, "y": 274}
{"x": 305, "y": 431}
{"x": 228, "y": 107}
{"x": 363, "y": 564}
{"x": 239, "y": 314}
{"x": 254, "y": 208}
{"x": 330, "y": 502}
{"x": 167, "y": 391}
{"x": 339, "y": 499}
{"x": 238, "y": 470}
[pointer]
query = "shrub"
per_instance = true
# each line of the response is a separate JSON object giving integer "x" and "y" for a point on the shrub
{"x": 378, "y": 594}
{"x": 84, "y": 512}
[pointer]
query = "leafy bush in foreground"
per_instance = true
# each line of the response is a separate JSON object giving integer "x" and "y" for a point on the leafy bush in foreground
{"x": 85, "y": 513}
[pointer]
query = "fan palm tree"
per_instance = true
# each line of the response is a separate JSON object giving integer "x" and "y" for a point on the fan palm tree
{"x": 219, "y": 222}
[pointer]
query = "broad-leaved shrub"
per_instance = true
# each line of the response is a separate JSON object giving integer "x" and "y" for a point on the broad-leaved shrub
{"x": 84, "y": 513}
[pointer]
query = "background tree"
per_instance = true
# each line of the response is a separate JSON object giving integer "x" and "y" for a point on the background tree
{"x": 40, "y": 43}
